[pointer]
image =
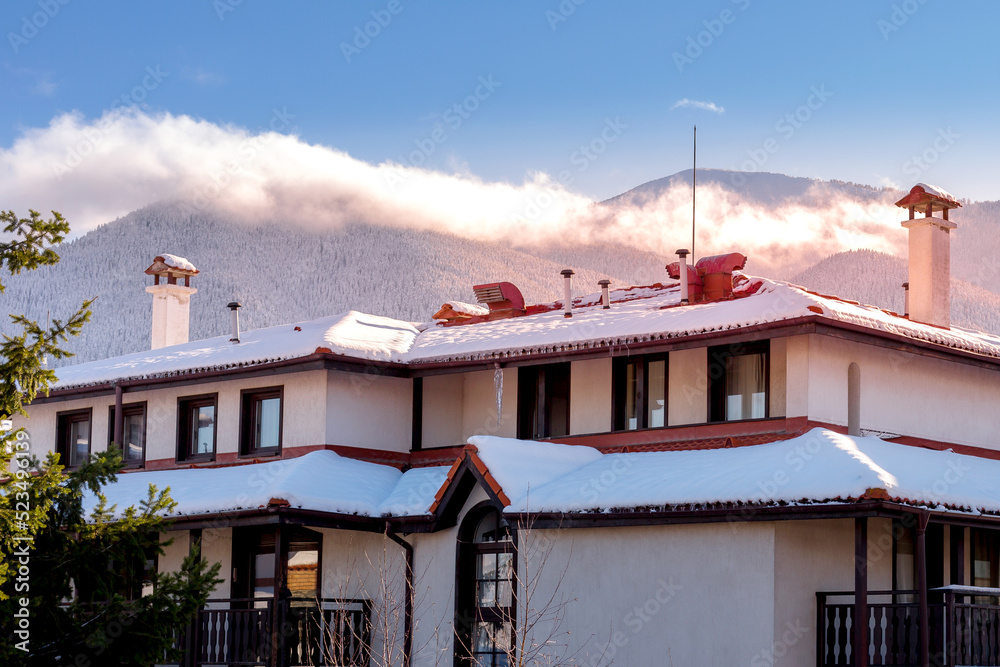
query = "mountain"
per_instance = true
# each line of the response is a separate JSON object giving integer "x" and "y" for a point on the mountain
{"x": 876, "y": 279}
{"x": 283, "y": 273}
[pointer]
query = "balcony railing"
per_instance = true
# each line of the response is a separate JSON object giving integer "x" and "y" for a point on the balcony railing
{"x": 331, "y": 632}
{"x": 963, "y": 627}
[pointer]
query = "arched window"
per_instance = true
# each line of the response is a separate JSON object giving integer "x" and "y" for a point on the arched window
{"x": 484, "y": 610}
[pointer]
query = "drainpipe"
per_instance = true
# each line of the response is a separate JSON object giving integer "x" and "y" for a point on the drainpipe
{"x": 906, "y": 299}
{"x": 567, "y": 292}
{"x": 922, "y": 611}
{"x": 119, "y": 419}
{"x": 605, "y": 297}
{"x": 408, "y": 605}
{"x": 682, "y": 254}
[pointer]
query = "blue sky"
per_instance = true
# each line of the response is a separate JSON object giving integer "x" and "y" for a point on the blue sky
{"x": 874, "y": 83}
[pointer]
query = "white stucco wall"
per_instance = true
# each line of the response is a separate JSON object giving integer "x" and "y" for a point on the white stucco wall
{"x": 368, "y": 410}
{"x": 590, "y": 396}
{"x": 905, "y": 393}
{"x": 442, "y": 414}
{"x": 682, "y": 595}
{"x": 303, "y": 412}
{"x": 479, "y": 404}
{"x": 687, "y": 387}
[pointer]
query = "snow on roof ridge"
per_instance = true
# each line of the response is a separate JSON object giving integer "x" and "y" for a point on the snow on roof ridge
{"x": 935, "y": 190}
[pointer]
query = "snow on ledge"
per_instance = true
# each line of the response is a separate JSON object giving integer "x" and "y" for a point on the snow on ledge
{"x": 321, "y": 480}
{"x": 175, "y": 262}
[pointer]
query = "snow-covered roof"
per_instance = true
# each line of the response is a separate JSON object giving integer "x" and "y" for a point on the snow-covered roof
{"x": 320, "y": 480}
{"x": 819, "y": 467}
{"x": 637, "y": 314}
{"x": 937, "y": 192}
{"x": 471, "y": 309}
{"x": 351, "y": 334}
{"x": 175, "y": 262}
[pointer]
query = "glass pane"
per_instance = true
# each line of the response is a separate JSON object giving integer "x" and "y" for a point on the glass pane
{"x": 135, "y": 436}
{"x": 203, "y": 430}
{"x": 489, "y": 531}
{"x": 656, "y": 399}
{"x": 263, "y": 585}
{"x": 504, "y": 565}
{"x": 303, "y": 572}
{"x": 268, "y": 421}
{"x": 487, "y": 594}
{"x": 745, "y": 390}
{"x": 484, "y": 638}
{"x": 505, "y": 596}
{"x": 79, "y": 442}
{"x": 631, "y": 396}
{"x": 486, "y": 568}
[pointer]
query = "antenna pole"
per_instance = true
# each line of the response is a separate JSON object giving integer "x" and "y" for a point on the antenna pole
{"x": 694, "y": 189}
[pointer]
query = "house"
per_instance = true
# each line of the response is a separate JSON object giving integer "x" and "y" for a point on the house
{"x": 716, "y": 469}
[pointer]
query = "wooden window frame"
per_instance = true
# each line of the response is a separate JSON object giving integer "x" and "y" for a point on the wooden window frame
{"x": 619, "y": 390}
{"x": 184, "y": 406}
{"x": 129, "y": 410}
{"x": 534, "y": 409}
{"x": 249, "y": 403}
{"x": 717, "y": 356}
{"x": 467, "y": 610}
{"x": 63, "y": 420}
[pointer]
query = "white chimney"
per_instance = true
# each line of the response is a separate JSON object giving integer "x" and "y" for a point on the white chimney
{"x": 234, "y": 310}
{"x": 171, "y": 299}
{"x": 929, "y": 291}
{"x": 567, "y": 274}
{"x": 605, "y": 296}
{"x": 682, "y": 254}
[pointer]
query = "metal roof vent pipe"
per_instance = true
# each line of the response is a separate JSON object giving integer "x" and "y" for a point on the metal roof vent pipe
{"x": 682, "y": 254}
{"x": 906, "y": 299}
{"x": 234, "y": 310}
{"x": 605, "y": 297}
{"x": 567, "y": 292}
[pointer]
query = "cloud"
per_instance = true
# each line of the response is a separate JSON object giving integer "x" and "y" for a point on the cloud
{"x": 203, "y": 77}
{"x": 93, "y": 171}
{"x": 696, "y": 104}
{"x": 45, "y": 87}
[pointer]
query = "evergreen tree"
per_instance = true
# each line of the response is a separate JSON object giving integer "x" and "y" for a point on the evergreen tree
{"x": 75, "y": 589}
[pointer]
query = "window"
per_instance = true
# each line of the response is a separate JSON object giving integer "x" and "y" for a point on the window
{"x": 133, "y": 443}
{"x": 738, "y": 380}
{"x": 985, "y": 562}
{"x": 640, "y": 392}
{"x": 485, "y": 613}
{"x": 196, "y": 428}
{"x": 543, "y": 401}
{"x": 260, "y": 425}
{"x": 73, "y": 437}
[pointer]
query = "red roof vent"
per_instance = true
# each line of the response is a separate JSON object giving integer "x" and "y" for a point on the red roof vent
{"x": 503, "y": 299}
{"x": 711, "y": 279}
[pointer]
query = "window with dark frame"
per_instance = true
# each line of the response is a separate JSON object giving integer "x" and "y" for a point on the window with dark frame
{"x": 543, "y": 401}
{"x": 486, "y": 586}
{"x": 738, "y": 378}
{"x": 73, "y": 436}
{"x": 260, "y": 421}
{"x": 640, "y": 392}
{"x": 133, "y": 445}
{"x": 197, "y": 427}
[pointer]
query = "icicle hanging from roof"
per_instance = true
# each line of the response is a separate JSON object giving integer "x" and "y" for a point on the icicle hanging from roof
{"x": 498, "y": 387}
